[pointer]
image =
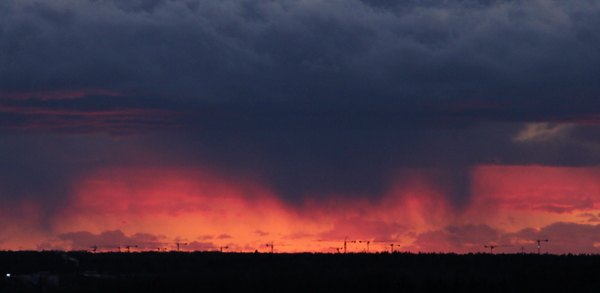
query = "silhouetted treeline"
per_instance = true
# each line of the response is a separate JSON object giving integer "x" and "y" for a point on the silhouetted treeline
{"x": 249, "y": 272}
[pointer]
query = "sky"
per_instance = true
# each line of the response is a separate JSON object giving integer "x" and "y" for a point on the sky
{"x": 296, "y": 125}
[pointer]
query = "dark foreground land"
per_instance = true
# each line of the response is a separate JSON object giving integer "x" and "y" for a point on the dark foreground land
{"x": 53, "y": 271}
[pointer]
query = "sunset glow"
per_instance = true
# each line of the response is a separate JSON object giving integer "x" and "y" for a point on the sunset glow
{"x": 300, "y": 126}
{"x": 156, "y": 208}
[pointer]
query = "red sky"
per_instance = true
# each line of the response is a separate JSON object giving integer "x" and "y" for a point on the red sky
{"x": 151, "y": 208}
{"x": 436, "y": 126}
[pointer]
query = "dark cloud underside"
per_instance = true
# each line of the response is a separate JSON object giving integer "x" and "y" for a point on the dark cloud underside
{"x": 309, "y": 97}
{"x": 373, "y": 52}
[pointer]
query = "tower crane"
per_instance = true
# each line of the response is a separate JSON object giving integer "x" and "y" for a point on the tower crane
{"x": 270, "y": 245}
{"x": 367, "y": 242}
{"x": 539, "y": 245}
{"x": 390, "y": 244}
{"x": 95, "y": 247}
{"x": 179, "y": 243}
{"x": 158, "y": 243}
{"x": 221, "y": 248}
{"x": 346, "y": 241}
{"x": 491, "y": 247}
{"x": 337, "y": 249}
{"x": 128, "y": 247}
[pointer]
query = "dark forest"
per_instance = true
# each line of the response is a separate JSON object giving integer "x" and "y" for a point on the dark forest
{"x": 54, "y": 271}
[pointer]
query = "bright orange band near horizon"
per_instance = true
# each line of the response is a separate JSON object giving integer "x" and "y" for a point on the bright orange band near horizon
{"x": 156, "y": 208}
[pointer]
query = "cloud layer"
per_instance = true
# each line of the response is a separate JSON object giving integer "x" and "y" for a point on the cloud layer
{"x": 313, "y": 105}
{"x": 487, "y": 55}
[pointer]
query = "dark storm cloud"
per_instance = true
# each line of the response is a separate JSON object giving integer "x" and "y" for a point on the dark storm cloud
{"x": 44, "y": 169}
{"x": 372, "y": 52}
{"x": 91, "y": 114}
{"x": 351, "y": 161}
{"x": 41, "y": 169}
{"x": 312, "y": 97}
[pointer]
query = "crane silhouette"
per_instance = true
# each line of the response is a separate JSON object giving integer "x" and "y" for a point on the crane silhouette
{"x": 539, "y": 245}
{"x": 491, "y": 247}
{"x": 128, "y": 247}
{"x": 95, "y": 247}
{"x": 346, "y": 241}
{"x": 338, "y": 249}
{"x": 159, "y": 243}
{"x": 367, "y": 242}
{"x": 387, "y": 243}
{"x": 179, "y": 243}
{"x": 270, "y": 245}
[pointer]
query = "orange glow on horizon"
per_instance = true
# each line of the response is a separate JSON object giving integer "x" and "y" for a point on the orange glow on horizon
{"x": 517, "y": 197}
{"x": 510, "y": 204}
{"x": 194, "y": 205}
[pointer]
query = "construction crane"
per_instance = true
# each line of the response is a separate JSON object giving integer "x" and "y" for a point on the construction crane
{"x": 367, "y": 242}
{"x": 95, "y": 247}
{"x": 392, "y": 247}
{"x": 128, "y": 247}
{"x": 491, "y": 247}
{"x": 221, "y": 248}
{"x": 345, "y": 244}
{"x": 337, "y": 249}
{"x": 270, "y": 245}
{"x": 387, "y": 243}
{"x": 539, "y": 243}
{"x": 179, "y": 243}
{"x": 147, "y": 244}
{"x": 346, "y": 241}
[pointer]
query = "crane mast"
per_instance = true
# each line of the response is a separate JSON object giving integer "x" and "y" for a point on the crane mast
{"x": 179, "y": 243}
{"x": 539, "y": 244}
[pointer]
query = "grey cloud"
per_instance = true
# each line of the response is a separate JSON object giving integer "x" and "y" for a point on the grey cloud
{"x": 137, "y": 6}
{"x": 563, "y": 238}
{"x": 42, "y": 168}
{"x": 462, "y": 239}
{"x": 533, "y": 53}
{"x": 312, "y": 97}
{"x": 199, "y": 246}
{"x": 319, "y": 160}
{"x": 111, "y": 240}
